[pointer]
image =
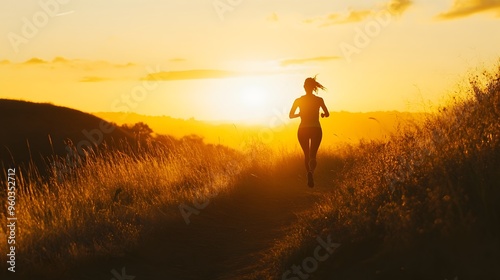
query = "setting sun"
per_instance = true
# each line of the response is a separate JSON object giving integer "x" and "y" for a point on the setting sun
{"x": 245, "y": 61}
{"x": 254, "y": 98}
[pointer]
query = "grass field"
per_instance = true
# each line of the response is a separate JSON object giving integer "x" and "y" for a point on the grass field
{"x": 423, "y": 204}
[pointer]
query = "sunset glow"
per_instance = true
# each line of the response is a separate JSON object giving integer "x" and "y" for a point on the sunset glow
{"x": 249, "y": 139}
{"x": 239, "y": 62}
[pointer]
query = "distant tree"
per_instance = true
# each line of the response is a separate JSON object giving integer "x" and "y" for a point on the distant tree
{"x": 140, "y": 131}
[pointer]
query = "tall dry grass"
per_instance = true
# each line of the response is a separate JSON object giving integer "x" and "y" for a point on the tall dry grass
{"x": 431, "y": 186}
{"x": 103, "y": 206}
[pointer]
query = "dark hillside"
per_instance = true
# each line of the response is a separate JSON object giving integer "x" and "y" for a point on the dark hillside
{"x": 34, "y": 131}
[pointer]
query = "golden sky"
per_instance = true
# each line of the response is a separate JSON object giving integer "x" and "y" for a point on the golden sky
{"x": 241, "y": 60}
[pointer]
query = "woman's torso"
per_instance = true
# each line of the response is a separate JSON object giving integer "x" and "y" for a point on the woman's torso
{"x": 309, "y": 110}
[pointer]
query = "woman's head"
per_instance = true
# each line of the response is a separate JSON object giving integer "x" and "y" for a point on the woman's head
{"x": 311, "y": 85}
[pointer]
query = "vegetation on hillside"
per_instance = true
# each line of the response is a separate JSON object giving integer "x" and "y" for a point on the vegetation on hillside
{"x": 103, "y": 206}
{"x": 425, "y": 203}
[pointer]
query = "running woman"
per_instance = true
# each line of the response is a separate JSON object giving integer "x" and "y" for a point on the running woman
{"x": 310, "y": 132}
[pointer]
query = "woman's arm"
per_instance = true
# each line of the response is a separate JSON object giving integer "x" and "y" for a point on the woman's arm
{"x": 292, "y": 113}
{"x": 325, "y": 110}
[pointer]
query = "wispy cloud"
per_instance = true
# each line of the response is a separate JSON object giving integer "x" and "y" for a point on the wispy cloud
{"x": 337, "y": 18}
{"x": 395, "y": 7}
{"x": 74, "y": 63}
{"x": 35, "y": 60}
{"x": 352, "y": 16}
{"x": 190, "y": 75}
{"x": 288, "y": 62}
{"x": 60, "y": 59}
{"x": 398, "y": 7}
{"x": 85, "y": 71}
{"x": 464, "y": 8}
{"x": 356, "y": 16}
{"x": 93, "y": 79}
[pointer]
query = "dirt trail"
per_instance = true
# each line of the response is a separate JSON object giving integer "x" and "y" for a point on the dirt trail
{"x": 224, "y": 241}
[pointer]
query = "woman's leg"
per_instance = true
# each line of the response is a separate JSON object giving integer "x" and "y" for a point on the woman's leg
{"x": 304, "y": 137}
{"x": 316, "y": 136}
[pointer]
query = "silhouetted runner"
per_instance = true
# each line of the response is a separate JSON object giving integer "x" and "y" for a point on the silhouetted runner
{"x": 310, "y": 132}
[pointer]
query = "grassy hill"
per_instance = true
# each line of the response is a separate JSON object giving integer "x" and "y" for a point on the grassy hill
{"x": 422, "y": 203}
{"x": 34, "y": 131}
